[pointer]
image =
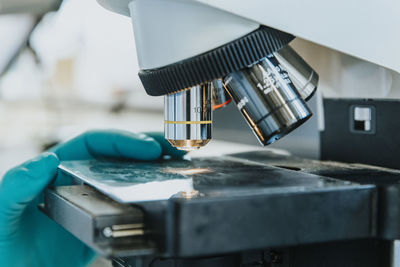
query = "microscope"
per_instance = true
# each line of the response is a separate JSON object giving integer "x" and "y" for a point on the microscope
{"x": 205, "y": 57}
{"x": 256, "y": 208}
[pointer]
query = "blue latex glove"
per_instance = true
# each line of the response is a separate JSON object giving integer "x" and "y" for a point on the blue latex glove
{"x": 27, "y": 237}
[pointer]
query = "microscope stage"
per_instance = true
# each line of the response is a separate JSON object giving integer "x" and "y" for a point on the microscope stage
{"x": 204, "y": 206}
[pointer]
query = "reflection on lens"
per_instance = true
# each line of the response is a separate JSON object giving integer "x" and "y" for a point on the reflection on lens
{"x": 304, "y": 78}
{"x": 220, "y": 97}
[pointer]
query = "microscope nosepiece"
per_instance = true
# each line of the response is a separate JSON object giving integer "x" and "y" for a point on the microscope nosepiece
{"x": 188, "y": 117}
{"x": 267, "y": 99}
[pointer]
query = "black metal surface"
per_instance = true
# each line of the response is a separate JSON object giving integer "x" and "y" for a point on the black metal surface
{"x": 349, "y": 253}
{"x": 241, "y": 205}
{"x": 214, "y": 64}
{"x": 353, "y": 253}
{"x": 386, "y": 180}
{"x": 339, "y": 141}
{"x": 273, "y": 220}
{"x": 219, "y": 261}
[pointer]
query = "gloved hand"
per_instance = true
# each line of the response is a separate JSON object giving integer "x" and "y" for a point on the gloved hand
{"x": 27, "y": 237}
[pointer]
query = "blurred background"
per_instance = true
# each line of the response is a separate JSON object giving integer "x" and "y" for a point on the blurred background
{"x": 67, "y": 71}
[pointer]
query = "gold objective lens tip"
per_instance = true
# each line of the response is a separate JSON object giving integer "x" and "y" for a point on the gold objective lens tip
{"x": 188, "y": 145}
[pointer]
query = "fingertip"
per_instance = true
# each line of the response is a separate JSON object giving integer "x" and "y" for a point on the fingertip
{"x": 45, "y": 162}
{"x": 51, "y": 158}
{"x": 167, "y": 148}
{"x": 137, "y": 146}
{"x": 179, "y": 153}
{"x": 149, "y": 149}
{"x": 141, "y": 136}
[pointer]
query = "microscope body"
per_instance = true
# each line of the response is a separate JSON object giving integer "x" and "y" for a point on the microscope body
{"x": 170, "y": 31}
{"x": 184, "y": 44}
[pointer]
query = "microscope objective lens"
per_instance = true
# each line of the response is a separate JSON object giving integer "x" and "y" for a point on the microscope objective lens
{"x": 188, "y": 117}
{"x": 267, "y": 98}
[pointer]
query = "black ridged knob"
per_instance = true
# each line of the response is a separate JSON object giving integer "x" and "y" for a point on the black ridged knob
{"x": 214, "y": 64}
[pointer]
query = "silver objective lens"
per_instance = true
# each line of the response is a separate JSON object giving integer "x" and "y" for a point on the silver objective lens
{"x": 304, "y": 78}
{"x": 188, "y": 117}
{"x": 268, "y": 100}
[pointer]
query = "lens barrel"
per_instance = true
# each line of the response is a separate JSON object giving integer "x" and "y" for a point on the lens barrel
{"x": 268, "y": 99}
{"x": 303, "y": 77}
{"x": 188, "y": 117}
